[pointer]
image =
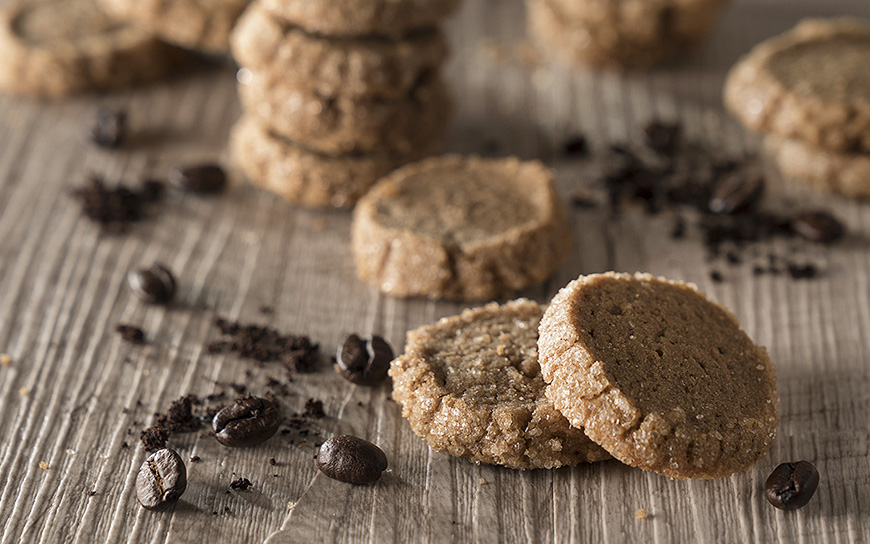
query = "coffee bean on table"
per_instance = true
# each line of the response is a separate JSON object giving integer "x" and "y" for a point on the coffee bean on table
{"x": 161, "y": 480}
{"x": 792, "y": 485}
{"x": 350, "y": 459}
{"x": 818, "y": 227}
{"x": 364, "y": 361}
{"x": 110, "y": 128}
{"x": 154, "y": 285}
{"x": 248, "y": 421}
{"x": 204, "y": 178}
{"x": 736, "y": 192}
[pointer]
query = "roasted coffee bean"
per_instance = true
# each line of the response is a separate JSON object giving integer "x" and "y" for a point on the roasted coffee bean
{"x": 663, "y": 138}
{"x": 161, "y": 480}
{"x": 110, "y": 128}
{"x": 364, "y": 362}
{"x": 350, "y": 459}
{"x": 818, "y": 227}
{"x": 736, "y": 192}
{"x": 575, "y": 146}
{"x": 205, "y": 178}
{"x": 248, "y": 421}
{"x": 154, "y": 285}
{"x": 792, "y": 485}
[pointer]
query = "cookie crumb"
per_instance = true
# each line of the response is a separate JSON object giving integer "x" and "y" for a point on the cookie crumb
{"x": 640, "y": 514}
{"x": 24, "y": 391}
{"x": 481, "y": 481}
{"x": 5, "y": 359}
{"x": 43, "y": 465}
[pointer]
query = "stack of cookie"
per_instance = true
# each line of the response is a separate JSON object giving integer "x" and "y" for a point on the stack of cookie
{"x": 809, "y": 91}
{"x": 335, "y": 97}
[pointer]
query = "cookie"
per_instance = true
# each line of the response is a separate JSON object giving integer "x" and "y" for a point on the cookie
{"x": 306, "y": 177}
{"x": 811, "y": 84}
{"x": 471, "y": 386}
{"x": 358, "y": 67}
{"x": 658, "y": 375}
{"x": 53, "y": 48}
{"x": 460, "y": 228}
{"x": 340, "y": 125}
{"x": 354, "y": 18}
{"x": 202, "y": 25}
{"x": 844, "y": 173}
{"x": 622, "y": 33}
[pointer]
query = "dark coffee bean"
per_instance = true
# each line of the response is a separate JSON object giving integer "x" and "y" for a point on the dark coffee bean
{"x": 364, "y": 362}
{"x": 154, "y": 285}
{"x": 736, "y": 192}
{"x": 575, "y": 146}
{"x": 248, "y": 421}
{"x": 110, "y": 128}
{"x": 792, "y": 485}
{"x": 818, "y": 227}
{"x": 350, "y": 459}
{"x": 205, "y": 178}
{"x": 662, "y": 137}
{"x": 161, "y": 480}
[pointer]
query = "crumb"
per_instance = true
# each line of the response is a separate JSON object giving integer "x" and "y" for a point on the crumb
{"x": 24, "y": 391}
{"x": 124, "y": 445}
{"x": 131, "y": 334}
{"x": 481, "y": 481}
{"x": 43, "y": 465}
{"x": 640, "y": 514}
{"x": 115, "y": 209}
{"x": 92, "y": 492}
{"x": 5, "y": 359}
{"x": 195, "y": 459}
{"x": 241, "y": 484}
{"x": 273, "y": 462}
{"x": 227, "y": 510}
{"x": 716, "y": 276}
{"x": 267, "y": 310}
{"x": 314, "y": 409}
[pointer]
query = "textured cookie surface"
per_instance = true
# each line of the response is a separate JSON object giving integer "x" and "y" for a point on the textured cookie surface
{"x": 844, "y": 173}
{"x": 306, "y": 177}
{"x": 658, "y": 375}
{"x": 811, "y": 83}
{"x": 53, "y": 48}
{"x": 471, "y": 386}
{"x": 354, "y": 67}
{"x": 362, "y": 17}
{"x": 460, "y": 228}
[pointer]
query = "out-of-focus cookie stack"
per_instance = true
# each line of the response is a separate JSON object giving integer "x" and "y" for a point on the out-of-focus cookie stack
{"x": 336, "y": 95}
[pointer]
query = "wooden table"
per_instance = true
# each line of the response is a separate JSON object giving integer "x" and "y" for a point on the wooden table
{"x": 69, "y": 398}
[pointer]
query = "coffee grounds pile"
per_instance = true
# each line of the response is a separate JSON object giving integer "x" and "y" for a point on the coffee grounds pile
{"x": 314, "y": 409}
{"x": 265, "y": 345}
{"x": 241, "y": 484}
{"x": 179, "y": 418}
{"x": 115, "y": 209}
{"x": 130, "y": 333}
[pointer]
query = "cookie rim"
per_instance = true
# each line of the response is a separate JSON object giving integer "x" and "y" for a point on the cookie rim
{"x": 847, "y": 174}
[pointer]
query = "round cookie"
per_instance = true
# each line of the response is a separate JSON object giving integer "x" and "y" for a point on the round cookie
{"x": 844, "y": 173}
{"x": 460, "y": 228}
{"x": 622, "y": 33}
{"x": 658, "y": 375}
{"x": 471, "y": 386}
{"x": 53, "y": 48}
{"x": 354, "y": 18}
{"x": 341, "y": 125}
{"x": 305, "y": 177}
{"x": 364, "y": 67}
{"x": 202, "y": 25}
{"x": 811, "y": 83}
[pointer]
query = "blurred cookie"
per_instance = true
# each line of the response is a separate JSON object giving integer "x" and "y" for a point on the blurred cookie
{"x": 844, "y": 173}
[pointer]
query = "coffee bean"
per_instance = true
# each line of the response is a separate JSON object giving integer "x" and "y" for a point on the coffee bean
{"x": 154, "y": 285}
{"x": 818, "y": 227}
{"x": 205, "y": 178}
{"x": 791, "y": 485}
{"x": 736, "y": 192}
{"x": 662, "y": 137}
{"x": 110, "y": 128}
{"x": 161, "y": 480}
{"x": 247, "y": 422}
{"x": 350, "y": 459}
{"x": 364, "y": 362}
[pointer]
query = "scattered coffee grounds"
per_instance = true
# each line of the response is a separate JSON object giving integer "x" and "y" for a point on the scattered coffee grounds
{"x": 203, "y": 179}
{"x": 131, "y": 334}
{"x": 115, "y": 209}
{"x": 241, "y": 484}
{"x": 267, "y": 310}
{"x": 154, "y": 285}
{"x": 792, "y": 485}
{"x": 575, "y": 146}
{"x": 110, "y": 128}
{"x": 364, "y": 361}
{"x": 265, "y": 345}
{"x": 350, "y": 459}
{"x": 314, "y": 409}
{"x": 124, "y": 445}
{"x": 663, "y": 137}
{"x": 178, "y": 418}
{"x": 154, "y": 438}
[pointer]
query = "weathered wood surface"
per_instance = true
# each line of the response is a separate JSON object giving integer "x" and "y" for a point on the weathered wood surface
{"x": 62, "y": 290}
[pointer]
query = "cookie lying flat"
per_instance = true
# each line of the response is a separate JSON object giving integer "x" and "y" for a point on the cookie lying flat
{"x": 203, "y": 25}
{"x": 305, "y": 177}
{"x": 810, "y": 84}
{"x": 844, "y": 173}
{"x": 622, "y": 33}
{"x": 471, "y": 386}
{"x": 352, "y": 18}
{"x": 460, "y": 228}
{"x": 363, "y": 67}
{"x": 659, "y": 376}
{"x": 52, "y": 48}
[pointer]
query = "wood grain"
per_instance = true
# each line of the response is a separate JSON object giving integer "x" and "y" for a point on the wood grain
{"x": 62, "y": 291}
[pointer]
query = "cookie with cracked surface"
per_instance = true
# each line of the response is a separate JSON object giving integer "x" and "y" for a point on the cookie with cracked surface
{"x": 811, "y": 84}
{"x": 202, "y": 25}
{"x": 471, "y": 386}
{"x": 53, "y": 48}
{"x": 460, "y": 228}
{"x": 845, "y": 173}
{"x": 341, "y": 125}
{"x": 356, "y": 67}
{"x": 658, "y": 375}
{"x": 306, "y": 177}
{"x": 353, "y": 18}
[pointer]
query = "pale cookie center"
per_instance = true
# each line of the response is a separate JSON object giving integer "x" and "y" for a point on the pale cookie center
{"x": 836, "y": 70}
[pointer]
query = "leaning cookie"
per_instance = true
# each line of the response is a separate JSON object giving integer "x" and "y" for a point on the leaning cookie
{"x": 358, "y": 67}
{"x": 811, "y": 83}
{"x": 658, "y": 375}
{"x": 844, "y": 173}
{"x": 460, "y": 228}
{"x": 471, "y": 386}
{"x": 53, "y": 48}
{"x": 306, "y": 177}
